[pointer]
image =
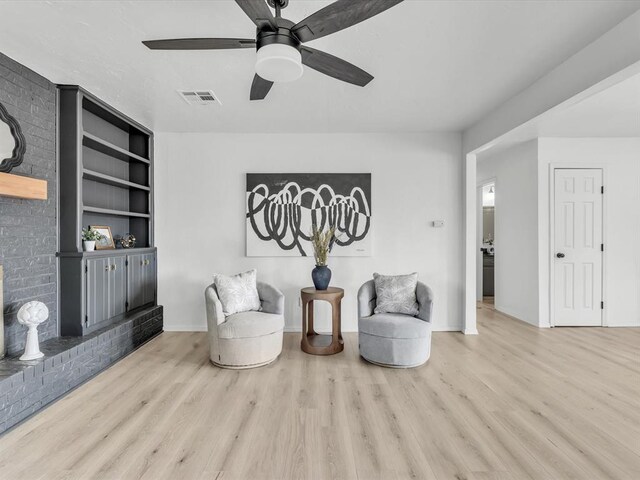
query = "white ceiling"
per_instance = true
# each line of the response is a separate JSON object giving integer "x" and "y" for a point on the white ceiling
{"x": 610, "y": 113}
{"x": 614, "y": 112}
{"x": 438, "y": 65}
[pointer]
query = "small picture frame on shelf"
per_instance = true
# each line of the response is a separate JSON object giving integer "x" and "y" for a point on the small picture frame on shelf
{"x": 106, "y": 242}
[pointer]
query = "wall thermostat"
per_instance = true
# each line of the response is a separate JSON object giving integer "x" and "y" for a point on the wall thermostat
{"x": 438, "y": 223}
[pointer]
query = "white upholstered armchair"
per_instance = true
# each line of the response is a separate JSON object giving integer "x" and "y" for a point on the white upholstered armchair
{"x": 246, "y": 339}
{"x": 393, "y": 339}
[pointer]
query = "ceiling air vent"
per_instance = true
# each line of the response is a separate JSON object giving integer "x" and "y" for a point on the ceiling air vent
{"x": 199, "y": 97}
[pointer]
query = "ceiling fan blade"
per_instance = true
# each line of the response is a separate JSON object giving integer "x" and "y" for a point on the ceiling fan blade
{"x": 334, "y": 67}
{"x": 338, "y": 16}
{"x": 200, "y": 43}
{"x": 259, "y": 13}
{"x": 259, "y": 88}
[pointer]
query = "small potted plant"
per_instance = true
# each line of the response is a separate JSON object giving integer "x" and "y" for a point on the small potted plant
{"x": 322, "y": 242}
{"x": 89, "y": 239}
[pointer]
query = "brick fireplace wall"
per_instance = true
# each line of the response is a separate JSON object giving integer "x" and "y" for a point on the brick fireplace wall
{"x": 28, "y": 233}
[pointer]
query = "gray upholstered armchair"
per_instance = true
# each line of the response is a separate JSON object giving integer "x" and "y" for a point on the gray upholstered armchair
{"x": 246, "y": 339}
{"x": 394, "y": 339}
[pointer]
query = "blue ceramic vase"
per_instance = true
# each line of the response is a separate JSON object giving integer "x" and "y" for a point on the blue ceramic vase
{"x": 321, "y": 276}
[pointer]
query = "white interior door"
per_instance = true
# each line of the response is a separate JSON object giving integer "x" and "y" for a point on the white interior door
{"x": 577, "y": 247}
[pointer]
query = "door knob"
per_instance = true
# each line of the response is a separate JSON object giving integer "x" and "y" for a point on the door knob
{"x": 560, "y": 255}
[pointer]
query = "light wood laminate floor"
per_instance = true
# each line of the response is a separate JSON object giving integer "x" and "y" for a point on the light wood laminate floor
{"x": 514, "y": 402}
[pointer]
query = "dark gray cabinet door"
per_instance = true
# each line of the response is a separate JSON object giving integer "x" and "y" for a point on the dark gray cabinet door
{"x": 106, "y": 289}
{"x": 141, "y": 279}
{"x": 117, "y": 286}
{"x": 98, "y": 271}
{"x": 135, "y": 271}
{"x": 149, "y": 295}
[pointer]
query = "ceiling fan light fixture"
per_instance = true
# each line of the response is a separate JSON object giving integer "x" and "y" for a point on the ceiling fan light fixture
{"x": 278, "y": 40}
{"x": 279, "y": 63}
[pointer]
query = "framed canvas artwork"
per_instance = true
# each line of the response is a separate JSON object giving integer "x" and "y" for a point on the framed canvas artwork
{"x": 282, "y": 207}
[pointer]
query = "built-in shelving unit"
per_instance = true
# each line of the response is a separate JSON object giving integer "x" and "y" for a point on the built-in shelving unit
{"x": 105, "y": 170}
{"x": 106, "y": 178}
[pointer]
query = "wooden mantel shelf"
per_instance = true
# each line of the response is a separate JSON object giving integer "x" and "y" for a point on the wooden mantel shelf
{"x": 22, "y": 187}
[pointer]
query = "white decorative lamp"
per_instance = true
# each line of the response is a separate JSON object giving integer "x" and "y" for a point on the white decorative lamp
{"x": 32, "y": 314}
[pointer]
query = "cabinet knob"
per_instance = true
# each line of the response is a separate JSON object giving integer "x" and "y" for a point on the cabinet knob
{"x": 107, "y": 268}
{"x": 114, "y": 266}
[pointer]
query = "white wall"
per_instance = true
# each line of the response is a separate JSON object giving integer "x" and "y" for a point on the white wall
{"x": 516, "y": 229}
{"x": 200, "y": 224}
{"x": 620, "y": 160}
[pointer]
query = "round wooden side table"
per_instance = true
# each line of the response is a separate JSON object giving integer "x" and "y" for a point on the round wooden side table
{"x": 312, "y": 342}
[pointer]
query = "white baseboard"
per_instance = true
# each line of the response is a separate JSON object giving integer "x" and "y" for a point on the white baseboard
{"x": 448, "y": 328}
{"x": 514, "y": 317}
{"x": 186, "y": 327}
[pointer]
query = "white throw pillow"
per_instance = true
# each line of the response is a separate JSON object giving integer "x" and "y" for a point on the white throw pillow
{"x": 396, "y": 294}
{"x": 238, "y": 293}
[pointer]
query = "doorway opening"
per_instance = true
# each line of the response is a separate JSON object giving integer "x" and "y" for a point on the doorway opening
{"x": 487, "y": 248}
{"x": 485, "y": 241}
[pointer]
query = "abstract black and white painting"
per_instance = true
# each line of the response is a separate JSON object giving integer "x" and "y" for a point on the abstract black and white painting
{"x": 282, "y": 207}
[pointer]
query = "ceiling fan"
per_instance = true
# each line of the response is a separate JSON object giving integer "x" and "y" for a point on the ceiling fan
{"x": 280, "y": 55}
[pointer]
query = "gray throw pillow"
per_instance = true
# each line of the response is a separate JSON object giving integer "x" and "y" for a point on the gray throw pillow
{"x": 237, "y": 293}
{"x": 396, "y": 294}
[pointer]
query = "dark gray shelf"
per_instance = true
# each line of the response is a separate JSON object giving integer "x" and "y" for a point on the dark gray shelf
{"x": 120, "y": 213}
{"x": 101, "y": 109}
{"x": 109, "y": 180}
{"x": 97, "y": 143}
{"x": 107, "y": 252}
